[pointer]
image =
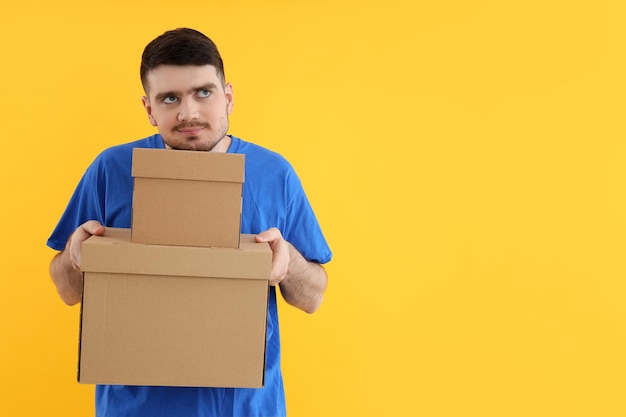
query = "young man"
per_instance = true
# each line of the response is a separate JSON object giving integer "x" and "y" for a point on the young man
{"x": 188, "y": 100}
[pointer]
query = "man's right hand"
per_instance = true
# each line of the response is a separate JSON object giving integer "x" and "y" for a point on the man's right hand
{"x": 82, "y": 233}
{"x": 65, "y": 268}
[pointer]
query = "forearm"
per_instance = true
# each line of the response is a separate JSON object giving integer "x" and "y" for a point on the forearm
{"x": 69, "y": 281}
{"x": 305, "y": 282}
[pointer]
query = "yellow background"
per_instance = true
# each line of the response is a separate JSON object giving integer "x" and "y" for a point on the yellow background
{"x": 466, "y": 160}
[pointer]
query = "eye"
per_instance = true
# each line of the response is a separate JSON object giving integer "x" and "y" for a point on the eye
{"x": 204, "y": 93}
{"x": 170, "y": 100}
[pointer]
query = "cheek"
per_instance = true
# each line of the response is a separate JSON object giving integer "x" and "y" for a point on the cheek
{"x": 163, "y": 119}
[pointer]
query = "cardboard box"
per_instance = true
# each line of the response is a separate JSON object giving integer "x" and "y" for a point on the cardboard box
{"x": 173, "y": 315}
{"x": 187, "y": 198}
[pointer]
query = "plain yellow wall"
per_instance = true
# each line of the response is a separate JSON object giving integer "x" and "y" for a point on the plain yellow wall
{"x": 465, "y": 160}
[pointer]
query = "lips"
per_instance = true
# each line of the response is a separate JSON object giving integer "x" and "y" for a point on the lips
{"x": 191, "y": 129}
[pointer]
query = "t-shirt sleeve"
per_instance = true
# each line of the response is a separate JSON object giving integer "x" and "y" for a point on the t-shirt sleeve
{"x": 302, "y": 229}
{"x": 84, "y": 205}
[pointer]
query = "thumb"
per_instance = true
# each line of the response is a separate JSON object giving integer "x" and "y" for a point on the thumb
{"x": 94, "y": 227}
{"x": 268, "y": 235}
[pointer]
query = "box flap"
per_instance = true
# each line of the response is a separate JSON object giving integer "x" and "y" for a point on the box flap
{"x": 114, "y": 253}
{"x": 189, "y": 165}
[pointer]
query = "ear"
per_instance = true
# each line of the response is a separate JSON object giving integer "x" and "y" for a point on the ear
{"x": 148, "y": 107}
{"x": 230, "y": 97}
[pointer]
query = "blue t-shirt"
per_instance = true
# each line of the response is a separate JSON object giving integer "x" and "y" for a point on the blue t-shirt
{"x": 272, "y": 197}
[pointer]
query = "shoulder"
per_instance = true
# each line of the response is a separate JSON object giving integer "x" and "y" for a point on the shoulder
{"x": 268, "y": 173}
{"x": 126, "y": 149}
{"x": 121, "y": 155}
{"x": 255, "y": 151}
{"x": 262, "y": 159}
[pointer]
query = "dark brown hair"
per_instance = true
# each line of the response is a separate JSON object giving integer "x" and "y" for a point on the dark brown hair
{"x": 182, "y": 46}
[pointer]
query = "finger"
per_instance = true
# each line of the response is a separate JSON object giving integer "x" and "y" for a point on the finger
{"x": 84, "y": 232}
{"x": 279, "y": 268}
{"x": 280, "y": 261}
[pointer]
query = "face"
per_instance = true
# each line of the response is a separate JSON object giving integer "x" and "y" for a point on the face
{"x": 190, "y": 106}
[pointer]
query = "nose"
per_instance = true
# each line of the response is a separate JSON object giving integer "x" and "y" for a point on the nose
{"x": 188, "y": 111}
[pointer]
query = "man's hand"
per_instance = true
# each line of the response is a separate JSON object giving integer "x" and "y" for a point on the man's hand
{"x": 82, "y": 233}
{"x": 280, "y": 253}
{"x": 65, "y": 266}
{"x": 302, "y": 283}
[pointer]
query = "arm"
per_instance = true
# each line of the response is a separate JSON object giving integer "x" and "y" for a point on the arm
{"x": 65, "y": 266}
{"x": 302, "y": 283}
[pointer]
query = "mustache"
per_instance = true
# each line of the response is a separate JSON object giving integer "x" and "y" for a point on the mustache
{"x": 187, "y": 125}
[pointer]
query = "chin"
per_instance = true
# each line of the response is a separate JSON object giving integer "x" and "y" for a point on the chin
{"x": 191, "y": 144}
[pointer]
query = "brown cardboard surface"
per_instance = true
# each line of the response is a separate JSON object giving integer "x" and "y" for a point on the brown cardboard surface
{"x": 173, "y": 316}
{"x": 187, "y": 198}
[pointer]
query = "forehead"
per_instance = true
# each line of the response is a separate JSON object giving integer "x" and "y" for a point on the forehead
{"x": 170, "y": 78}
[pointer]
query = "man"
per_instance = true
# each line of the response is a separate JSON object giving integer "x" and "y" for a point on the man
{"x": 188, "y": 100}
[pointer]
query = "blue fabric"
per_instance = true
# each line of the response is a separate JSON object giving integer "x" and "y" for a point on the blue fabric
{"x": 272, "y": 197}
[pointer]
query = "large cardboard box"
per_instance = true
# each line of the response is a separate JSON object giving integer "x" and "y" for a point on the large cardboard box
{"x": 187, "y": 198}
{"x": 173, "y": 315}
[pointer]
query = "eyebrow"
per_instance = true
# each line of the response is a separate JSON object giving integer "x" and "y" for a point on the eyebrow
{"x": 207, "y": 86}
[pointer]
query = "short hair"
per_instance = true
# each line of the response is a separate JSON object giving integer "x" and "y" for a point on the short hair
{"x": 182, "y": 46}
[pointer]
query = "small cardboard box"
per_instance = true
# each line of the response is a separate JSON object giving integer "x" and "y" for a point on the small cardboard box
{"x": 187, "y": 198}
{"x": 173, "y": 315}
